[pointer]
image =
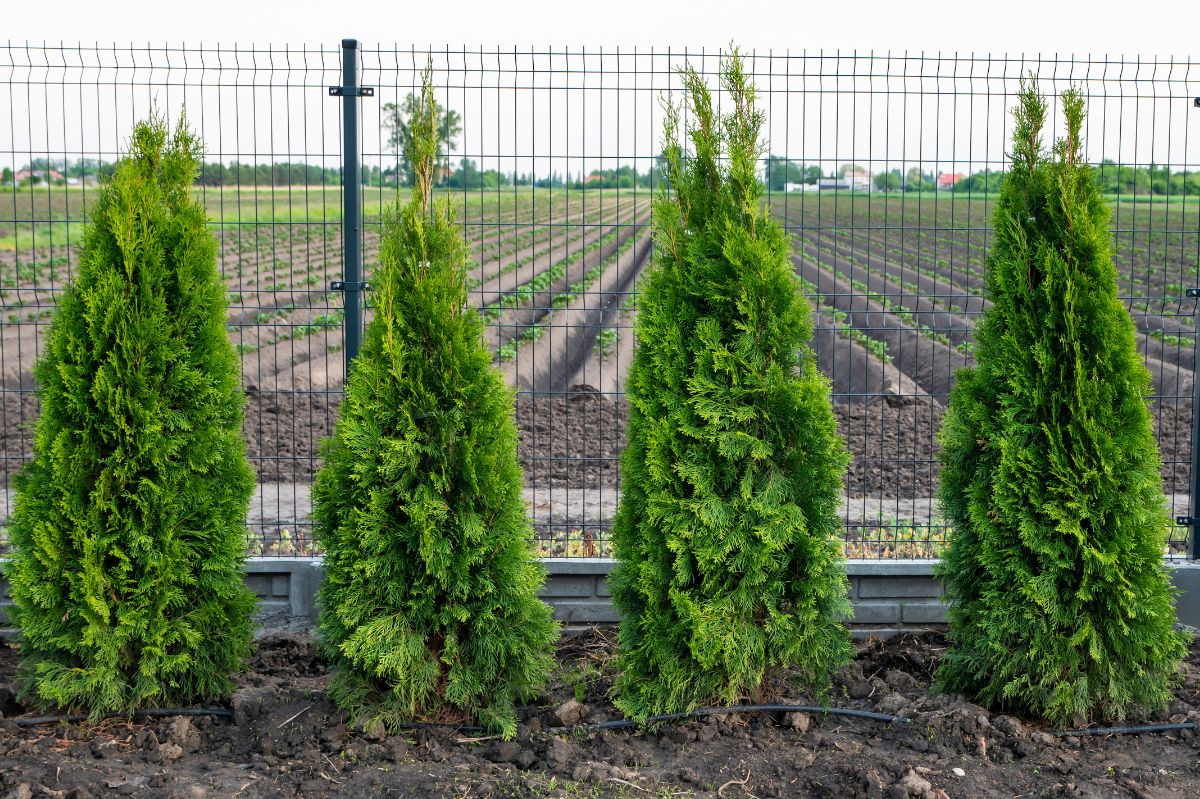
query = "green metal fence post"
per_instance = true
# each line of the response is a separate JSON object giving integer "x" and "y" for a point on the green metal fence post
{"x": 352, "y": 285}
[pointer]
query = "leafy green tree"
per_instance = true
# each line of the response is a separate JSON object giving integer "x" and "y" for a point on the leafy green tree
{"x": 398, "y": 119}
{"x": 129, "y": 527}
{"x": 430, "y": 592}
{"x": 888, "y": 181}
{"x": 1060, "y": 602}
{"x": 6, "y": 177}
{"x": 469, "y": 176}
{"x": 985, "y": 182}
{"x": 727, "y": 537}
{"x": 779, "y": 172}
{"x": 917, "y": 180}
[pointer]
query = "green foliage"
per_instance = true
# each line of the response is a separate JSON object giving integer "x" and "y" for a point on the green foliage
{"x": 889, "y": 181}
{"x": 986, "y": 181}
{"x": 917, "y": 180}
{"x": 430, "y": 593}
{"x": 469, "y": 176}
{"x": 284, "y": 173}
{"x": 1135, "y": 180}
{"x": 1061, "y": 605}
{"x": 727, "y": 537}
{"x": 129, "y": 526}
{"x": 780, "y": 171}
{"x": 399, "y": 119}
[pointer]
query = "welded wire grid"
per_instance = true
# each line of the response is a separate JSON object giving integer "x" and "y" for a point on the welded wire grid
{"x": 551, "y": 175}
{"x": 271, "y": 184}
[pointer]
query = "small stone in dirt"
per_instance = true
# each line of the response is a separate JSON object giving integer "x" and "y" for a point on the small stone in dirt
{"x": 915, "y": 784}
{"x": 892, "y": 704}
{"x": 525, "y": 759}
{"x": 22, "y": 791}
{"x": 568, "y": 713}
{"x": 860, "y": 690}
{"x": 1043, "y": 739}
{"x": 582, "y": 772}
{"x": 184, "y": 733}
{"x": 102, "y": 749}
{"x": 901, "y": 680}
{"x": 558, "y": 753}
{"x": 503, "y": 752}
{"x": 168, "y": 752}
{"x": 374, "y": 730}
{"x": 1009, "y": 726}
{"x": 957, "y": 772}
{"x": 689, "y": 775}
{"x": 799, "y": 722}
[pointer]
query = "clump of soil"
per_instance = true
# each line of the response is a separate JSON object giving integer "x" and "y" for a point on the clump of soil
{"x": 285, "y": 738}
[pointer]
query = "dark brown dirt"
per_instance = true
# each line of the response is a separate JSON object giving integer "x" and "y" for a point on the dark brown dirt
{"x": 286, "y": 739}
{"x": 576, "y": 439}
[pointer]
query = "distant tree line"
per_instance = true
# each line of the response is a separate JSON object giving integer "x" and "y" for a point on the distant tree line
{"x": 778, "y": 174}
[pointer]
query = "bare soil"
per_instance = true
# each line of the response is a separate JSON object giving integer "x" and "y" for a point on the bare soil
{"x": 285, "y": 738}
{"x": 576, "y": 438}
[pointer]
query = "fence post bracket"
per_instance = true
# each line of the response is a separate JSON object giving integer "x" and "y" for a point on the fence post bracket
{"x": 361, "y": 91}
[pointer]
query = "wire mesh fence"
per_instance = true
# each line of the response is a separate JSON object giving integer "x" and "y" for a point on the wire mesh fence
{"x": 883, "y": 167}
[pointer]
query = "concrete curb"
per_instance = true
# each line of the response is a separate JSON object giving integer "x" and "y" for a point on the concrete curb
{"x": 888, "y": 596}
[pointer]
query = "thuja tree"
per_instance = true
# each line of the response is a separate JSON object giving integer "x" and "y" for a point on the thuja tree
{"x": 430, "y": 595}
{"x": 727, "y": 533}
{"x": 1060, "y": 602}
{"x": 128, "y": 530}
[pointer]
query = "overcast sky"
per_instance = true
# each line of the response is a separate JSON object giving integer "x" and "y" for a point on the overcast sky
{"x": 1146, "y": 27}
{"x": 953, "y": 119}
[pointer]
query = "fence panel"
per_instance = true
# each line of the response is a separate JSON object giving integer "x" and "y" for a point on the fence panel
{"x": 882, "y": 166}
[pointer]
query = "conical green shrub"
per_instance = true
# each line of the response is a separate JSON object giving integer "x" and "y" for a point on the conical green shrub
{"x": 430, "y": 594}
{"x": 128, "y": 530}
{"x": 728, "y": 533}
{"x": 1060, "y": 601}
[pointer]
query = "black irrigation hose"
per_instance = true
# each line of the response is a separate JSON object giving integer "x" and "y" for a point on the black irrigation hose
{"x": 150, "y": 712}
{"x": 700, "y": 712}
{"x": 1132, "y": 730}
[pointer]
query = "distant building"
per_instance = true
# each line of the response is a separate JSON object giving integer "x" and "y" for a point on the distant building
{"x": 946, "y": 180}
{"x": 795, "y": 187}
{"x": 42, "y": 175}
{"x": 858, "y": 179}
{"x": 833, "y": 184}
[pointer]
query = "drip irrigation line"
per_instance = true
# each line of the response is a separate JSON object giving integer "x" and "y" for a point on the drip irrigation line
{"x": 700, "y": 712}
{"x": 150, "y": 712}
{"x": 1130, "y": 730}
{"x": 615, "y": 724}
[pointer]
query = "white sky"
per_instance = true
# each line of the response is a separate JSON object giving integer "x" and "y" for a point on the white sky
{"x": 1145, "y": 27}
{"x": 572, "y": 120}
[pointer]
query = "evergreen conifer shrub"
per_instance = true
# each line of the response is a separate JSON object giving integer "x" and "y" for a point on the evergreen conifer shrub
{"x": 727, "y": 536}
{"x": 430, "y": 594}
{"x": 1060, "y": 602}
{"x": 128, "y": 530}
